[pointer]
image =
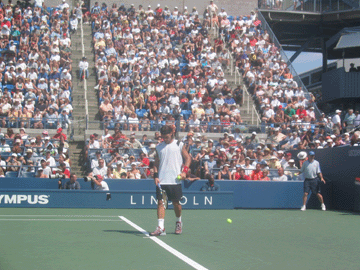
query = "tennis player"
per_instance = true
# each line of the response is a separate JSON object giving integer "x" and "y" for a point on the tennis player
{"x": 312, "y": 174}
{"x": 171, "y": 160}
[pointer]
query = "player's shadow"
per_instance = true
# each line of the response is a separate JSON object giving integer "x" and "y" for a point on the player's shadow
{"x": 125, "y": 232}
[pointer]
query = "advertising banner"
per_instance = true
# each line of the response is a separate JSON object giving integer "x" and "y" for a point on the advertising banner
{"x": 100, "y": 199}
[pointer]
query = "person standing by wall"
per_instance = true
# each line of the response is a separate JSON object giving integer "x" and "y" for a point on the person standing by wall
{"x": 312, "y": 174}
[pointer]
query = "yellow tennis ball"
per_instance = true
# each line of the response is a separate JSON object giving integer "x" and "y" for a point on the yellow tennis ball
{"x": 179, "y": 177}
{"x": 229, "y": 220}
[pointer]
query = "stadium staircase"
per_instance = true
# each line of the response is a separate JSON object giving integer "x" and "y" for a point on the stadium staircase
{"x": 78, "y": 126}
{"x": 248, "y": 112}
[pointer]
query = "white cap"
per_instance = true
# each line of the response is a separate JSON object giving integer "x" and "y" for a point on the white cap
{"x": 222, "y": 150}
{"x": 329, "y": 140}
{"x": 291, "y": 161}
{"x": 302, "y": 155}
{"x": 254, "y": 133}
{"x": 338, "y": 111}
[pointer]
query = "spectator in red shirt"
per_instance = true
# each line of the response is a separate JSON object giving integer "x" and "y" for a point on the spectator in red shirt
{"x": 253, "y": 41}
{"x": 59, "y": 134}
{"x": 145, "y": 162}
{"x": 257, "y": 173}
{"x": 240, "y": 174}
{"x": 301, "y": 112}
{"x": 64, "y": 170}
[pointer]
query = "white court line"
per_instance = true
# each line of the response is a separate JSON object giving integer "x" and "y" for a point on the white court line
{"x": 164, "y": 245}
{"x": 41, "y": 219}
{"x": 56, "y": 216}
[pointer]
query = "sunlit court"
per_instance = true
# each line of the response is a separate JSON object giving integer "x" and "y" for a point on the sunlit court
{"x": 109, "y": 239}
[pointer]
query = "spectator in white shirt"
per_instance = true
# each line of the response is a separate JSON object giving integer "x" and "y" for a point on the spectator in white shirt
{"x": 101, "y": 169}
{"x": 83, "y": 67}
{"x": 336, "y": 120}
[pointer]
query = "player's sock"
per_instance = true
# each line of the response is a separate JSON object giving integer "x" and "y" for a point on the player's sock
{"x": 161, "y": 223}
{"x": 178, "y": 219}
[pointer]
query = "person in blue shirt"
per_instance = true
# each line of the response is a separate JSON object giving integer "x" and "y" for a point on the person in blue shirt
{"x": 229, "y": 99}
{"x": 311, "y": 171}
{"x": 210, "y": 185}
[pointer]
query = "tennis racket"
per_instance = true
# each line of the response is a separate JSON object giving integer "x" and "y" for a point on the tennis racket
{"x": 163, "y": 196}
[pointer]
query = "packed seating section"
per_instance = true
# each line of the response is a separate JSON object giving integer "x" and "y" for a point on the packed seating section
{"x": 158, "y": 67}
{"x": 36, "y": 86}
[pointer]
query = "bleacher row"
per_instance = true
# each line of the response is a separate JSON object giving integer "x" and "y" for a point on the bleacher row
{"x": 35, "y": 67}
{"x": 167, "y": 71}
{"x": 153, "y": 69}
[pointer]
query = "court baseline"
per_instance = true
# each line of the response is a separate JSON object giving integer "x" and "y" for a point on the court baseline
{"x": 170, "y": 249}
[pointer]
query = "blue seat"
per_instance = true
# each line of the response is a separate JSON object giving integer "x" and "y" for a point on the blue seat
{"x": 28, "y": 174}
{"x": 140, "y": 113}
{"x": 186, "y": 114}
{"x": 11, "y": 174}
{"x": 9, "y": 86}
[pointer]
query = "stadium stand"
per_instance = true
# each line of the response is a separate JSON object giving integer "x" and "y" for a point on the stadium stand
{"x": 36, "y": 87}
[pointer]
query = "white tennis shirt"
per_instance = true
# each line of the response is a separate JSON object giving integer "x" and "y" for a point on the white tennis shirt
{"x": 170, "y": 162}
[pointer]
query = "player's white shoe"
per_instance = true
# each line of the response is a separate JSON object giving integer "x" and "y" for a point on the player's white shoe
{"x": 303, "y": 208}
{"x": 323, "y": 207}
{"x": 158, "y": 232}
{"x": 178, "y": 228}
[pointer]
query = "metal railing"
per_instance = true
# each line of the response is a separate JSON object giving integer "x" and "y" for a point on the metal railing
{"x": 316, "y": 6}
{"x": 238, "y": 77}
{"x": 85, "y": 79}
{"x": 296, "y": 77}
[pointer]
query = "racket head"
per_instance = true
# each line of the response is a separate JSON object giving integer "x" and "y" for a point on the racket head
{"x": 164, "y": 199}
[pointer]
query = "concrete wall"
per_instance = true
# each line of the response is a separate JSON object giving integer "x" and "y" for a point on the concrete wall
{"x": 234, "y": 8}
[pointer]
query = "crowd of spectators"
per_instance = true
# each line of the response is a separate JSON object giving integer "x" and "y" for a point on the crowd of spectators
{"x": 156, "y": 66}
{"x": 36, "y": 84}
{"x": 35, "y": 65}
{"x": 22, "y": 155}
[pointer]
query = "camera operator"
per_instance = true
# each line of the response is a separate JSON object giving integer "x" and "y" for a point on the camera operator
{"x": 98, "y": 183}
{"x": 62, "y": 172}
{"x": 72, "y": 183}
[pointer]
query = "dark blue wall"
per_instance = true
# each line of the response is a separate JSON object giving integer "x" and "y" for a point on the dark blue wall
{"x": 339, "y": 166}
{"x": 247, "y": 194}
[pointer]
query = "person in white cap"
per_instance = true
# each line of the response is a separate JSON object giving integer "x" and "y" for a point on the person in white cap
{"x": 253, "y": 138}
{"x": 291, "y": 169}
{"x": 212, "y": 9}
{"x": 149, "y": 10}
{"x": 336, "y": 120}
{"x": 63, "y": 5}
{"x": 349, "y": 120}
{"x": 311, "y": 171}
